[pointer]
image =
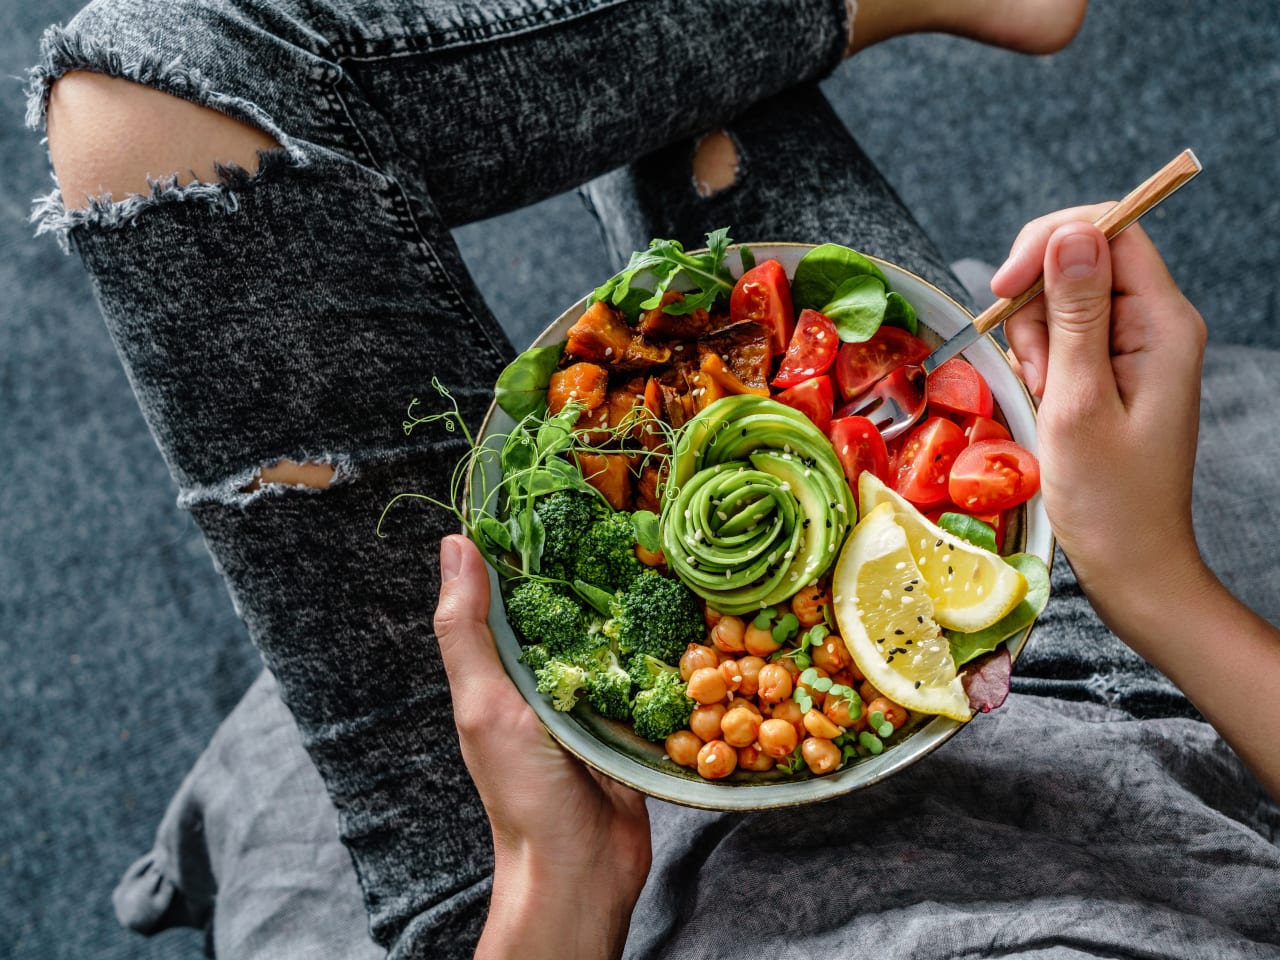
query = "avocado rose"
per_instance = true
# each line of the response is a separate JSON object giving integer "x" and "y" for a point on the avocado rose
{"x": 756, "y": 505}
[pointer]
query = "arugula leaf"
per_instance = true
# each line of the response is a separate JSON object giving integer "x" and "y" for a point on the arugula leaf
{"x": 967, "y": 646}
{"x": 522, "y": 386}
{"x": 664, "y": 262}
{"x": 857, "y": 308}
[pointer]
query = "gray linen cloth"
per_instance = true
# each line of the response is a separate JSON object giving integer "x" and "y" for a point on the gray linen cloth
{"x": 1093, "y": 815}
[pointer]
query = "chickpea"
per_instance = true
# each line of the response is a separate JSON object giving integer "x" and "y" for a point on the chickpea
{"x": 838, "y": 711}
{"x": 831, "y": 655}
{"x": 777, "y": 738}
{"x": 717, "y": 760}
{"x": 650, "y": 558}
{"x": 759, "y": 641}
{"x": 706, "y": 685}
{"x": 810, "y": 605}
{"x": 744, "y": 703}
{"x": 789, "y": 711}
{"x": 711, "y": 616}
{"x": 750, "y": 668}
{"x": 895, "y": 713}
{"x": 867, "y": 692}
{"x": 816, "y": 696}
{"x": 728, "y": 634}
{"x": 775, "y": 683}
{"x": 740, "y": 727}
{"x": 731, "y": 674}
{"x": 683, "y": 746}
{"x": 822, "y": 756}
{"x": 754, "y": 759}
{"x": 820, "y": 726}
{"x": 695, "y": 656}
{"x": 705, "y": 721}
{"x": 789, "y": 664}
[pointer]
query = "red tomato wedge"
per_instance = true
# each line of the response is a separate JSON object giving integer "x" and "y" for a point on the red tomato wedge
{"x": 860, "y": 447}
{"x": 814, "y": 398}
{"x": 763, "y": 294}
{"x": 956, "y": 387}
{"x": 811, "y": 352}
{"x": 983, "y": 428}
{"x": 922, "y": 465}
{"x": 993, "y": 475}
{"x": 859, "y": 365}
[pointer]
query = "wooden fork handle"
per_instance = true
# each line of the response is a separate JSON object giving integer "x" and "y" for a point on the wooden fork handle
{"x": 1145, "y": 196}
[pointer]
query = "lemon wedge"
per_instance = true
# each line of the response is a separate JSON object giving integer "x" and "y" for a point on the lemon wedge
{"x": 971, "y": 588}
{"x": 885, "y": 615}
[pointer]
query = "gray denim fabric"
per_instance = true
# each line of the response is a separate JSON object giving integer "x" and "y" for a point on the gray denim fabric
{"x": 295, "y": 311}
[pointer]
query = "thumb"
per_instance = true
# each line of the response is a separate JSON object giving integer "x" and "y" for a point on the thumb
{"x": 466, "y": 644}
{"x": 1077, "y": 292}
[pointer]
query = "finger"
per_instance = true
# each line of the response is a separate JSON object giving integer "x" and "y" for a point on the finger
{"x": 1025, "y": 262}
{"x": 1077, "y": 295}
{"x": 466, "y": 643}
{"x": 1028, "y": 338}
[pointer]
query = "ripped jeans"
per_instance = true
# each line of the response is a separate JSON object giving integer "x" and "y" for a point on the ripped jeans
{"x": 293, "y": 311}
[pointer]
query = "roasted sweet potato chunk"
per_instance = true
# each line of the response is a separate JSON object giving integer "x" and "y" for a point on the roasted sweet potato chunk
{"x": 586, "y": 383}
{"x": 600, "y": 335}
{"x": 610, "y": 474}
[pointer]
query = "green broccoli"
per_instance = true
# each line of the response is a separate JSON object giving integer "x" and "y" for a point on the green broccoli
{"x": 662, "y": 709}
{"x": 565, "y": 514}
{"x": 541, "y": 613}
{"x": 645, "y": 670}
{"x": 658, "y": 616}
{"x": 535, "y": 656}
{"x": 563, "y": 682}
{"x": 609, "y": 687}
{"x": 605, "y": 553}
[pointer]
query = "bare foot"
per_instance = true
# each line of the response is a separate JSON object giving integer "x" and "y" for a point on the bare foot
{"x": 1028, "y": 26}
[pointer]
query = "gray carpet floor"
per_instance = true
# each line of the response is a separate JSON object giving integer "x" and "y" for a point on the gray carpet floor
{"x": 119, "y": 650}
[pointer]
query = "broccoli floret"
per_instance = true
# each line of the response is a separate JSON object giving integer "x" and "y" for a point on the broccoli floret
{"x": 645, "y": 670}
{"x": 563, "y": 682}
{"x": 565, "y": 514}
{"x": 535, "y": 656}
{"x": 605, "y": 553}
{"x": 662, "y": 709}
{"x": 658, "y": 616}
{"x": 541, "y": 613}
{"x": 609, "y": 687}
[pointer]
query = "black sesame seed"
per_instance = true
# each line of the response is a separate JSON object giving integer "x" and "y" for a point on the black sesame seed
{"x": 918, "y": 684}
{"x": 899, "y": 632}
{"x": 937, "y": 543}
{"x": 950, "y": 572}
{"x": 919, "y": 619}
{"x": 908, "y": 588}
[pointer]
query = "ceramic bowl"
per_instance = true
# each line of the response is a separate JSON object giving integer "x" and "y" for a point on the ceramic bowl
{"x": 614, "y": 750}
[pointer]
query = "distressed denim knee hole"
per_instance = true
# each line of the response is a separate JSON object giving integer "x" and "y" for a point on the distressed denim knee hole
{"x": 310, "y": 473}
{"x": 715, "y": 163}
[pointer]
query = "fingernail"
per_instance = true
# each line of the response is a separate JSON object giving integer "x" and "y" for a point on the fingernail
{"x": 1077, "y": 255}
{"x": 450, "y": 559}
{"x": 1031, "y": 377}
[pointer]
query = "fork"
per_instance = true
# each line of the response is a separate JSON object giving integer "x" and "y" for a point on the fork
{"x": 898, "y": 399}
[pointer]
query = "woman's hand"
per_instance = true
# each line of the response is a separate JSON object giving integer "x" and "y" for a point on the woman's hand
{"x": 571, "y": 847}
{"x": 1115, "y": 351}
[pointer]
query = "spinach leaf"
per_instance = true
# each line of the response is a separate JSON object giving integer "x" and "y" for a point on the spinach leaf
{"x": 663, "y": 262}
{"x": 969, "y": 528}
{"x": 967, "y": 646}
{"x": 522, "y": 387}
{"x": 898, "y": 312}
{"x": 648, "y": 534}
{"x": 857, "y": 308}
{"x": 823, "y": 269}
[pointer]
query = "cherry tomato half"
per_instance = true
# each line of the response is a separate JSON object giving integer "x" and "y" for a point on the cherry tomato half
{"x": 859, "y": 365}
{"x": 763, "y": 294}
{"x": 922, "y": 465}
{"x": 811, "y": 352}
{"x": 814, "y": 398}
{"x": 956, "y": 387}
{"x": 993, "y": 475}
{"x": 983, "y": 428}
{"x": 859, "y": 446}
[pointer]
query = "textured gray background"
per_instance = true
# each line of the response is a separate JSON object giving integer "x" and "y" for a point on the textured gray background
{"x": 119, "y": 651}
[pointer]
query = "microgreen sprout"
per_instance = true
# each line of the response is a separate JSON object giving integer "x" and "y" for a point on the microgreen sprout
{"x": 764, "y": 619}
{"x": 873, "y": 744}
{"x": 794, "y": 763}
{"x": 785, "y": 628}
{"x": 879, "y": 724}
